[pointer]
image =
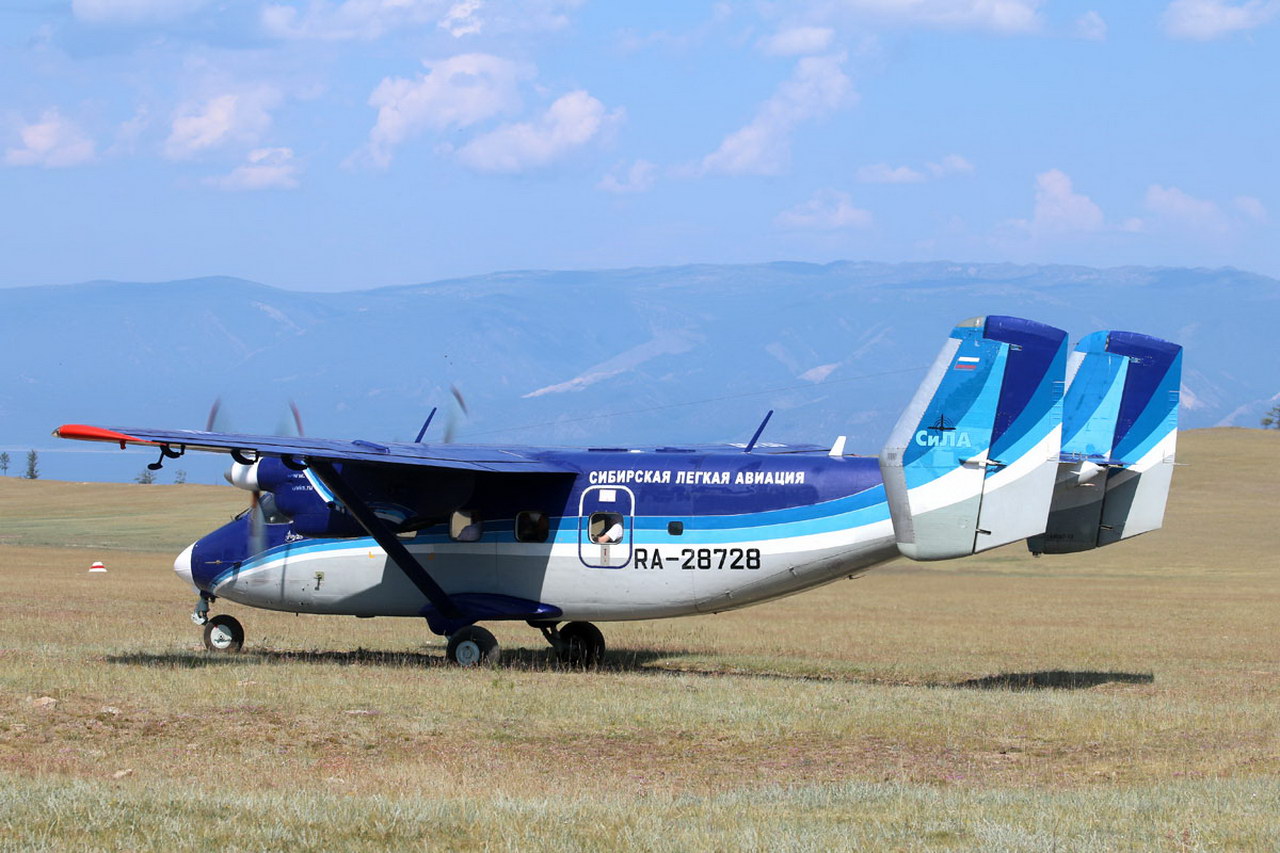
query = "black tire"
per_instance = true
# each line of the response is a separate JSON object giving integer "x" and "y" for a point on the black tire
{"x": 581, "y": 645}
{"x": 223, "y": 633}
{"x": 473, "y": 646}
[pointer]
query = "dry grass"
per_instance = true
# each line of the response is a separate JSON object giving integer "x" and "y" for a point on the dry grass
{"x": 1126, "y": 697}
{"x": 112, "y": 515}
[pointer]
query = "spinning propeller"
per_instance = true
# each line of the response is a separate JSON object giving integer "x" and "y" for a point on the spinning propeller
{"x": 243, "y": 474}
{"x": 451, "y": 424}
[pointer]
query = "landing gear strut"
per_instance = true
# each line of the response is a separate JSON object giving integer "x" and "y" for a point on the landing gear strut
{"x": 577, "y": 644}
{"x": 201, "y": 613}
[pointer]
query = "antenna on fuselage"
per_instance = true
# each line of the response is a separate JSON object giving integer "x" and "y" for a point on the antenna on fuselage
{"x": 752, "y": 443}
{"x": 426, "y": 424}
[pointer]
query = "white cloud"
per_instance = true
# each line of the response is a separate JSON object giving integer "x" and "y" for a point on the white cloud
{"x": 267, "y": 169}
{"x": 1251, "y": 207}
{"x": 129, "y": 131}
{"x": 372, "y": 19}
{"x": 1059, "y": 209}
{"x": 350, "y": 19}
{"x": 817, "y": 86}
{"x": 1001, "y": 16}
{"x": 133, "y": 11}
{"x": 454, "y": 93}
{"x": 1181, "y": 210}
{"x": 798, "y": 41}
{"x": 952, "y": 164}
{"x": 638, "y": 179}
{"x": 826, "y": 210}
{"x": 51, "y": 142}
{"x": 462, "y": 20}
{"x": 1204, "y": 20}
{"x": 231, "y": 117}
{"x": 883, "y": 173}
{"x": 571, "y": 122}
{"x": 1091, "y": 26}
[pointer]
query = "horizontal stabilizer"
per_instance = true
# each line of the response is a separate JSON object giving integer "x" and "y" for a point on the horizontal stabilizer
{"x": 971, "y": 463}
{"x": 1119, "y": 435}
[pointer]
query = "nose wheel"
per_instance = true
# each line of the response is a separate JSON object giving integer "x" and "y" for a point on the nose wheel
{"x": 223, "y": 633}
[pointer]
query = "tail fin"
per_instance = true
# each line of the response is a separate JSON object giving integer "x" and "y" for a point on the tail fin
{"x": 972, "y": 461}
{"x": 1120, "y": 426}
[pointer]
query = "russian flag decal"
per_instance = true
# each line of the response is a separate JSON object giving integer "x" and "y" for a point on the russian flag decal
{"x": 966, "y": 362}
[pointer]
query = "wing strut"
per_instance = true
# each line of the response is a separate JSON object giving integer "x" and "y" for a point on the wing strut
{"x": 395, "y": 549}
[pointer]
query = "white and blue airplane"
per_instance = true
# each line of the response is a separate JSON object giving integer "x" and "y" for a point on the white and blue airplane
{"x": 1008, "y": 438}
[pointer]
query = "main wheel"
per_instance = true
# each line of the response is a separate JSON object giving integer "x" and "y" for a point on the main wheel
{"x": 223, "y": 633}
{"x": 581, "y": 645}
{"x": 473, "y": 646}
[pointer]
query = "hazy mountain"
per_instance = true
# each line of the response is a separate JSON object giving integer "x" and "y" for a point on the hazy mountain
{"x": 678, "y": 354}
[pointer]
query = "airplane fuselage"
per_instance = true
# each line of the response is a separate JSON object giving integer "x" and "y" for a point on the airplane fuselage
{"x": 692, "y": 532}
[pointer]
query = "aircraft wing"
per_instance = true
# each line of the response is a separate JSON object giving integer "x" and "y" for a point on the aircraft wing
{"x": 456, "y": 456}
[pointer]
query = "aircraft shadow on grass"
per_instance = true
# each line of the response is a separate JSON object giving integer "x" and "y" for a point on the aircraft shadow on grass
{"x": 625, "y": 660}
{"x": 1052, "y": 679}
{"x": 644, "y": 661}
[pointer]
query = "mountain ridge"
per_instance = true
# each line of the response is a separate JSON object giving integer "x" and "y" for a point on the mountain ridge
{"x": 692, "y": 353}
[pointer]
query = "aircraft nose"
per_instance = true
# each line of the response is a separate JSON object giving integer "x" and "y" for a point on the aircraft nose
{"x": 182, "y": 565}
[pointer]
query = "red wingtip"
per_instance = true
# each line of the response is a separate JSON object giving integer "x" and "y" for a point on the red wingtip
{"x": 83, "y": 432}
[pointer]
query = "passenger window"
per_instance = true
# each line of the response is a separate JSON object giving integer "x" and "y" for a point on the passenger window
{"x": 532, "y": 527}
{"x": 675, "y": 528}
{"x": 466, "y": 525}
{"x": 606, "y": 528}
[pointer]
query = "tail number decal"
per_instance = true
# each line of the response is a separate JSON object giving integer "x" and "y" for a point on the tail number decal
{"x": 700, "y": 558}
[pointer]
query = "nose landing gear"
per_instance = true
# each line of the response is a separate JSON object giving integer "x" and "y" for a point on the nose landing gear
{"x": 222, "y": 633}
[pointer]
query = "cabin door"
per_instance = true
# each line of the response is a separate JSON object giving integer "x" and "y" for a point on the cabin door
{"x": 605, "y": 522}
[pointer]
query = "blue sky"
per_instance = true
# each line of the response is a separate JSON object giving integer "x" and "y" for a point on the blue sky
{"x": 339, "y": 144}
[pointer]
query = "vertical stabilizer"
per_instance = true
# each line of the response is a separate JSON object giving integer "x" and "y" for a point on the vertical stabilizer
{"x": 971, "y": 463}
{"x": 1119, "y": 436}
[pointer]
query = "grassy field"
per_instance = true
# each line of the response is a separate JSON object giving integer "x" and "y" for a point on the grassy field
{"x": 1125, "y": 698}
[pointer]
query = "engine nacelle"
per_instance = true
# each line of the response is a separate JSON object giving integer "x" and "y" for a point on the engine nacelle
{"x": 401, "y": 501}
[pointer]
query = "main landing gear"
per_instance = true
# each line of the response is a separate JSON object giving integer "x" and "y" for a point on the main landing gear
{"x": 578, "y": 644}
{"x": 222, "y": 633}
{"x": 473, "y": 646}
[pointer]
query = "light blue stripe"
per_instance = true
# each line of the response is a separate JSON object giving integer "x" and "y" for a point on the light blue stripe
{"x": 976, "y": 424}
{"x": 1092, "y": 404}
